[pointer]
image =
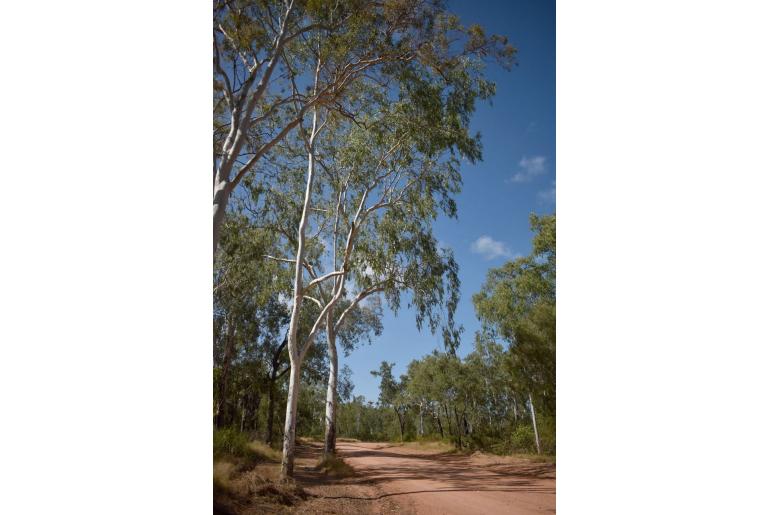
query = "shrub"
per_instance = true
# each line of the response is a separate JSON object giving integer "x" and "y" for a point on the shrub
{"x": 231, "y": 442}
{"x": 335, "y": 466}
{"x": 523, "y": 439}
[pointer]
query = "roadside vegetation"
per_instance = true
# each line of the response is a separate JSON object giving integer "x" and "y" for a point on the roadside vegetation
{"x": 500, "y": 397}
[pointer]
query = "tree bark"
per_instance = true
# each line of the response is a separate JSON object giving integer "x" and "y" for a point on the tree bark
{"x": 221, "y": 197}
{"x": 534, "y": 422}
{"x": 421, "y": 426}
{"x": 289, "y": 436}
{"x": 401, "y": 422}
{"x": 270, "y": 409}
{"x": 458, "y": 427}
{"x": 330, "y": 438}
{"x": 295, "y": 354}
{"x": 274, "y": 376}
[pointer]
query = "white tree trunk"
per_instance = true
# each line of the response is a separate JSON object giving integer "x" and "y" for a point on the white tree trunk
{"x": 330, "y": 439}
{"x": 534, "y": 422}
{"x": 295, "y": 355}
{"x": 221, "y": 196}
{"x": 289, "y": 437}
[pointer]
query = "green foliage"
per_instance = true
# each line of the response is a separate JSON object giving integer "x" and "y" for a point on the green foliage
{"x": 523, "y": 439}
{"x": 518, "y": 305}
{"x": 231, "y": 442}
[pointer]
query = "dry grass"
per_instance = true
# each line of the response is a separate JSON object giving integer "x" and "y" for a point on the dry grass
{"x": 257, "y": 490}
{"x": 247, "y": 482}
{"x": 430, "y": 446}
{"x": 265, "y": 452}
{"x": 540, "y": 458}
{"x": 223, "y": 472}
{"x": 335, "y": 466}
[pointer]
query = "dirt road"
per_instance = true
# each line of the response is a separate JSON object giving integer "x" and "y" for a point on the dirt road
{"x": 391, "y": 478}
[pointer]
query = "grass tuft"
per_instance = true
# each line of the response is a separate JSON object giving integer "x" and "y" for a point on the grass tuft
{"x": 335, "y": 467}
{"x": 265, "y": 452}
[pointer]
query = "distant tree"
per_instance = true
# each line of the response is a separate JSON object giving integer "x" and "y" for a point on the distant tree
{"x": 518, "y": 304}
{"x": 392, "y": 393}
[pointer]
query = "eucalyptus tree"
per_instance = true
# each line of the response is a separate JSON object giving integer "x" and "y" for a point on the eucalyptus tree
{"x": 393, "y": 162}
{"x": 265, "y": 53}
{"x": 371, "y": 223}
{"x": 247, "y": 314}
{"x": 392, "y": 393}
{"x": 518, "y": 304}
{"x": 370, "y": 234}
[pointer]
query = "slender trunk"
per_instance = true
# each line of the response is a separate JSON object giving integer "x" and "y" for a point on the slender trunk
{"x": 270, "y": 409}
{"x": 274, "y": 375}
{"x": 221, "y": 196}
{"x": 289, "y": 436}
{"x": 459, "y": 430}
{"x": 330, "y": 439}
{"x": 243, "y": 413}
{"x": 295, "y": 354}
{"x": 253, "y": 413}
{"x": 440, "y": 427}
{"x": 534, "y": 422}
{"x": 421, "y": 426}
{"x": 400, "y": 422}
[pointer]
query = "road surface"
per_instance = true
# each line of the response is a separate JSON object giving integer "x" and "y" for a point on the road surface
{"x": 391, "y": 478}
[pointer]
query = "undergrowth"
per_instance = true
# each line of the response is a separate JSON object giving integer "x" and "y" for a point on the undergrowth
{"x": 335, "y": 466}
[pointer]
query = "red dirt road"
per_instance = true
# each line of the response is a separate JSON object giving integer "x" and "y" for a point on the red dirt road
{"x": 428, "y": 483}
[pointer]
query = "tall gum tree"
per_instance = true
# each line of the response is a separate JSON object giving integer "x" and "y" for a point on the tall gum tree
{"x": 385, "y": 194}
{"x": 401, "y": 169}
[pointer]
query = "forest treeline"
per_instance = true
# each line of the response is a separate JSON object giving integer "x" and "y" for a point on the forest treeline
{"x": 499, "y": 397}
{"x": 339, "y": 133}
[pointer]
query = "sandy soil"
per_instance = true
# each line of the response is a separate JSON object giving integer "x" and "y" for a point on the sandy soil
{"x": 396, "y": 479}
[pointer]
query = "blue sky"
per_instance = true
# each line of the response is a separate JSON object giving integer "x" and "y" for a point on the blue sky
{"x": 515, "y": 178}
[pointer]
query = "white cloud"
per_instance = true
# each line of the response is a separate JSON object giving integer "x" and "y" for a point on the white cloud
{"x": 529, "y": 167}
{"x": 490, "y": 248}
{"x": 548, "y": 196}
{"x": 286, "y": 300}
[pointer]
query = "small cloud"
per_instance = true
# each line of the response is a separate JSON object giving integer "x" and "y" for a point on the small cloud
{"x": 529, "y": 168}
{"x": 547, "y": 196}
{"x": 286, "y": 300}
{"x": 490, "y": 248}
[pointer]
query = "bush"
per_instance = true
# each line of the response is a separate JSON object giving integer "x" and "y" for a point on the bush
{"x": 231, "y": 442}
{"x": 523, "y": 439}
{"x": 335, "y": 466}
